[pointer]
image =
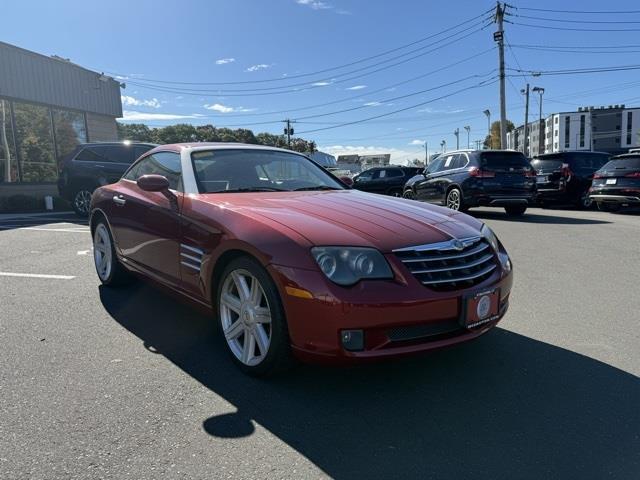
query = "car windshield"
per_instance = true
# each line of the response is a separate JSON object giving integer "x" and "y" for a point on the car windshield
{"x": 254, "y": 170}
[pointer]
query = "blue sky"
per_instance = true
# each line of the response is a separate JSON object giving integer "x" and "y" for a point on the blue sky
{"x": 266, "y": 43}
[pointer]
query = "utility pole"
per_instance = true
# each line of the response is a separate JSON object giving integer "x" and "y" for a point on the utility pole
{"x": 540, "y": 90}
{"x": 526, "y": 120}
{"x": 457, "y": 134}
{"x": 499, "y": 37}
{"x": 288, "y": 131}
{"x": 443, "y": 144}
{"x": 468, "y": 129}
{"x": 426, "y": 152}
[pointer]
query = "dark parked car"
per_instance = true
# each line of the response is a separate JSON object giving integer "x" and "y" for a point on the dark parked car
{"x": 565, "y": 177}
{"x": 465, "y": 179}
{"x": 617, "y": 184}
{"x": 92, "y": 165}
{"x": 384, "y": 180}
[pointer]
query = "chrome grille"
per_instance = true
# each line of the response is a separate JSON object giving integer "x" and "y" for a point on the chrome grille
{"x": 450, "y": 265}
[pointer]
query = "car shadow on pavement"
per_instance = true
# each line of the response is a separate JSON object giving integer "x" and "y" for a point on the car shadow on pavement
{"x": 503, "y": 406}
{"x": 536, "y": 218}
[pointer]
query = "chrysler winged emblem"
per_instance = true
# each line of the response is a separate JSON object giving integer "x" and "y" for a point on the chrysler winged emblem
{"x": 457, "y": 245}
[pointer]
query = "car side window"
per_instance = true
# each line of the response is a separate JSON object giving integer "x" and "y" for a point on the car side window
{"x": 166, "y": 164}
{"x": 394, "y": 172}
{"x": 381, "y": 174}
{"x": 365, "y": 176}
{"x": 460, "y": 161}
{"x": 449, "y": 162}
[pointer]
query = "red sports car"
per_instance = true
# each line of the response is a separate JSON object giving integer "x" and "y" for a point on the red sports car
{"x": 292, "y": 262}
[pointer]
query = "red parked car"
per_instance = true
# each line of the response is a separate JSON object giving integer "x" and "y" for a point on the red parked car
{"x": 293, "y": 262}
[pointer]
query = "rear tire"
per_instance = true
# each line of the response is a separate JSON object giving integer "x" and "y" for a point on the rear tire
{"x": 608, "y": 207}
{"x": 250, "y": 310}
{"x": 584, "y": 202}
{"x": 81, "y": 201}
{"x": 409, "y": 195}
{"x": 395, "y": 192}
{"x": 109, "y": 269}
{"x": 515, "y": 211}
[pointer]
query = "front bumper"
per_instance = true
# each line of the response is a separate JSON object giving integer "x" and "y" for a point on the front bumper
{"x": 398, "y": 317}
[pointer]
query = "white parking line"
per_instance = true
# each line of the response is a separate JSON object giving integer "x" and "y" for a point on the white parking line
{"x": 36, "y": 275}
{"x": 41, "y": 229}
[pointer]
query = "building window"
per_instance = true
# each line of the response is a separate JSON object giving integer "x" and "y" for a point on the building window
{"x": 629, "y": 126}
{"x": 8, "y": 160}
{"x": 70, "y": 130}
{"x": 567, "y": 127}
{"x": 582, "y": 127}
{"x": 34, "y": 138}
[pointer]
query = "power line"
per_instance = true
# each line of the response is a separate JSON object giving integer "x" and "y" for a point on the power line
{"x": 562, "y": 50}
{"x": 268, "y": 91}
{"x": 576, "y": 71}
{"x": 519, "y": 45}
{"x": 548, "y": 27}
{"x": 339, "y": 67}
{"x": 578, "y": 11}
{"x": 561, "y": 20}
{"x": 481, "y": 84}
{"x": 353, "y": 97}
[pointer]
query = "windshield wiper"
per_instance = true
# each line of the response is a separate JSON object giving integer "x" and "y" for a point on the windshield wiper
{"x": 251, "y": 189}
{"x": 316, "y": 187}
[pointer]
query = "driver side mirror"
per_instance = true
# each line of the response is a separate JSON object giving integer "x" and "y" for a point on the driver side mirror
{"x": 348, "y": 181}
{"x": 153, "y": 183}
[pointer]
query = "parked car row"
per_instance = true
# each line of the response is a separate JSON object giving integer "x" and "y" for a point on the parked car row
{"x": 502, "y": 178}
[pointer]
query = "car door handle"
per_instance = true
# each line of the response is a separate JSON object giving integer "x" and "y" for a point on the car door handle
{"x": 118, "y": 200}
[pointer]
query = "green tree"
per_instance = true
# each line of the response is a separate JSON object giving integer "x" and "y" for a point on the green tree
{"x": 493, "y": 141}
{"x": 138, "y": 132}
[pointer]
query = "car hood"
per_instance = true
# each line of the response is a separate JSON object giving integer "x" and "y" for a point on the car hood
{"x": 350, "y": 217}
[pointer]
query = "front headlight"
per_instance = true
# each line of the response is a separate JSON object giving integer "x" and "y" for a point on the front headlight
{"x": 488, "y": 234}
{"x": 348, "y": 265}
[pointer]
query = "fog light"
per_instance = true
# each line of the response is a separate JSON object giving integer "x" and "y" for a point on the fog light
{"x": 352, "y": 340}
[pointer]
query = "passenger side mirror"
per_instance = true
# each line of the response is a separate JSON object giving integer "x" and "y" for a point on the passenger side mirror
{"x": 348, "y": 181}
{"x": 153, "y": 183}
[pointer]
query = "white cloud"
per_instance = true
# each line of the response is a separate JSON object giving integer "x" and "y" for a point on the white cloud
{"x": 130, "y": 116}
{"x": 356, "y": 87}
{"x": 372, "y": 104}
{"x": 416, "y": 142}
{"x": 224, "y": 61}
{"x": 398, "y": 156}
{"x": 315, "y": 4}
{"x": 433, "y": 110}
{"x": 135, "y": 102}
{"x": 218, "y": 107}
{"x": 321, "y": 84}
{"x": 260, "y": 66}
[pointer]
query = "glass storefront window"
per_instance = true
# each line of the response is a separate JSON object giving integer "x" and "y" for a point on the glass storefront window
{"x": 70, "y": 130}
{"x": 35, "y": 143}
{"x": 8, "y": 159}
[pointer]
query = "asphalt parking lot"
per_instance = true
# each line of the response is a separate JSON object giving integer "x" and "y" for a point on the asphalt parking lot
{"x": 99, "y": 383}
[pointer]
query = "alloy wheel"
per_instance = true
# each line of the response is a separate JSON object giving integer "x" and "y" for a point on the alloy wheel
{"x": 102, "y": 252}
{"x": 245, "y": 317}
{"x": 409, "y": 194}
{"x": 586, "y": 200}
{"x": 82, "y": 201}
{"x": 453, "y": 199}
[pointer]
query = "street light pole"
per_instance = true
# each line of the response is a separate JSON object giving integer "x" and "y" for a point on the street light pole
{"x": 540, "y": 91}
{"x": 457, "y": 134}
{"x": 488, "y": 114}
{"x": 468, "y": 129}
{"x": 443, "y": 144}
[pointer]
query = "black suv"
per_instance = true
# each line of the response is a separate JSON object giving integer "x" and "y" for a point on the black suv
{"x": 385, "y": 180}
{"x": 92, "y": 165}
{"x": 464, "y": 179}
{"x": 617, "y": 184}
{"x": 565, "y": 177}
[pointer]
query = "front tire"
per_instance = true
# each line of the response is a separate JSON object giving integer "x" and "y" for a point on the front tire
{"x": 515, "y": 211}
{"x": 409, "y": 195}
{"x": 584, "y": 201}
{"x": 252, "y": 319}
{"x": 110, "y": 272}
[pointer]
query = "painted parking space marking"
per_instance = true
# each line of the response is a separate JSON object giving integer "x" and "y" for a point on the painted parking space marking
{"x": 37, "y": 275}
{"x": 43, "y": 229}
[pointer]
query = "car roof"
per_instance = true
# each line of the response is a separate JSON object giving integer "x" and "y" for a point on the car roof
{"x": 627, "y": 155}
{"x": 567, "y": 152}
